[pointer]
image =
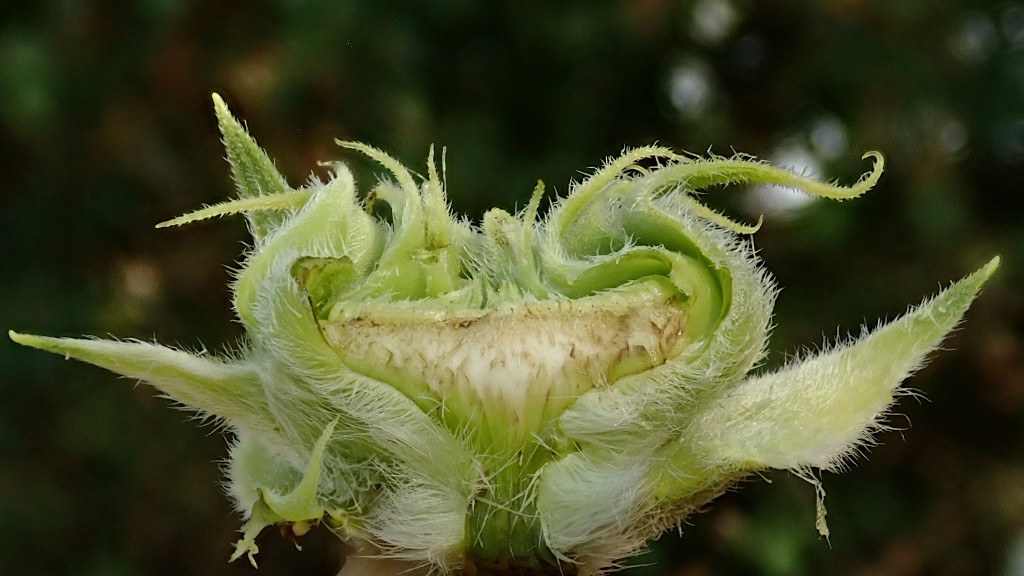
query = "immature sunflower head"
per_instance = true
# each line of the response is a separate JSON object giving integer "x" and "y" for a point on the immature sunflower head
{"x": 527, "y": 395}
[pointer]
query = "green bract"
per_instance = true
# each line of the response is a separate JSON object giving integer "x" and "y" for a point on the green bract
{"x": 521, "y": 396}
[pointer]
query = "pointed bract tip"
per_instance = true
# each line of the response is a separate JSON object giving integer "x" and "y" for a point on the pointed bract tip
{"x": 25, "y": 339}
{"x": 975, "y": 281}
{"x": 989, "y": 269}
{"x": 45, "y": 343}
{"x": 218, "y": 103}
{"x": 223, "y": 113}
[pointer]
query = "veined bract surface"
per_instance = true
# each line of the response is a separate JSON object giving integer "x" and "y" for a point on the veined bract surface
{"x": 524, "y": 396}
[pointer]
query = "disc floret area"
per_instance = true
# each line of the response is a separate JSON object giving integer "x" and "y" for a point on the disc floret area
{"x": 527, "y": 394}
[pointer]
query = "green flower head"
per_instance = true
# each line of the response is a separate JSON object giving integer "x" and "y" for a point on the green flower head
{"x": 527, "y": 395}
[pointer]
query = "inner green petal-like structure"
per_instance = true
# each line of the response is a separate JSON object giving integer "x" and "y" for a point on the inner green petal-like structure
{"x": 527, "y": 395}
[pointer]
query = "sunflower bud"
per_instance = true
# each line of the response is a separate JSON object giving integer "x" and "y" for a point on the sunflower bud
{"x": 527, "y": 395}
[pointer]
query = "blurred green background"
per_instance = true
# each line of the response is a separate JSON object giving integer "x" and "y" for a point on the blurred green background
{"x": 106, "y": 128}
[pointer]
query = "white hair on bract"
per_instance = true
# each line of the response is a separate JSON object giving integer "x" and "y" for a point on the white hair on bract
{"x": 531, "y": 395}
